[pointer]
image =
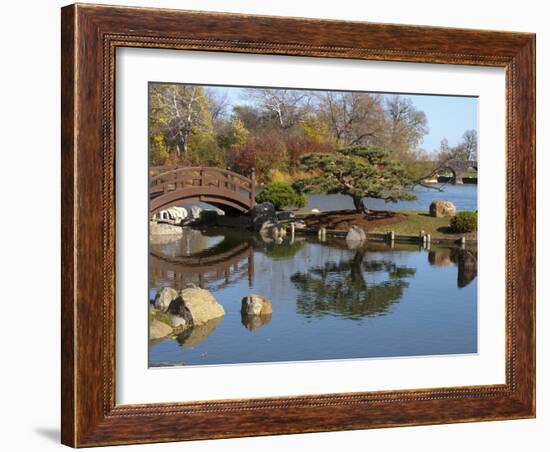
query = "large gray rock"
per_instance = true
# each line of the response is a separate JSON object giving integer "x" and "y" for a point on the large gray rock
{"x": 158, "y": 330}
{"x": 196, "y": 212}
{"x": 256, "y": 305}
{"x": 261, "y": 213}
{"x": 164, "y": 298}
{"x": 440, "y": 209}
{"x": 355, "y": 237}
{"x": 177, "y": 213}
{"x": 197, "y": 306}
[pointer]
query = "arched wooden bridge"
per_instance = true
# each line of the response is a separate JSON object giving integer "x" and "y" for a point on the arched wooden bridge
{"x": 230, "y": 191}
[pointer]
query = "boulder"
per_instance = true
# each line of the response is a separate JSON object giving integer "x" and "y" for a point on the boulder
{"x": 256, "y": 305}
{"x": 158, "y": 329}
{"x": 197, "y": 306}
{"x": 261, "y": 213}
{"x": 355, "y": 237}
{"x": 440, "y": 209}
{"x": 164, "y": 298}
{"x": 177, "y": 213}
{"x": 196, "y": 212}
{"x": 178, "y": 322}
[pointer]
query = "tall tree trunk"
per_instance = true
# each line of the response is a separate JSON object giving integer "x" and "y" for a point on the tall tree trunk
{"x": 358, "y": 203}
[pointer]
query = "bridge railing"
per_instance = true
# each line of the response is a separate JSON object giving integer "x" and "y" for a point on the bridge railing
{"x": 174, "y": 178}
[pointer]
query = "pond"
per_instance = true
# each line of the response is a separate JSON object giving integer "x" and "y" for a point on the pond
{"x": 464, "y": 197}
{"x": 329, "y": 301}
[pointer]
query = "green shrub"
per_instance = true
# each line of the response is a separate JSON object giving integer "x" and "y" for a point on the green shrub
{"x": 464, "y": 222}
{"x": 281, "y": 194}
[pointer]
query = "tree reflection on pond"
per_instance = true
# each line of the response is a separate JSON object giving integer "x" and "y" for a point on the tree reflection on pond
{"x": 341, "y": 289}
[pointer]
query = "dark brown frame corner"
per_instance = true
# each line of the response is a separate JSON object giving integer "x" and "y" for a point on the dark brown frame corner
{"x": 90, "y": 36}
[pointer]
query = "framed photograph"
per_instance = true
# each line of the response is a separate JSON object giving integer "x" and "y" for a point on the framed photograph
{"x": 281, "y": 225}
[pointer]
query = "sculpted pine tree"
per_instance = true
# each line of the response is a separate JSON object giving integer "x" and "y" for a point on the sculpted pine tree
{"x": 358, "y": 172}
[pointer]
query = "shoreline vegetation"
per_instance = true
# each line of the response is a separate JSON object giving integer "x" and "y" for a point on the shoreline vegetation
{"x": 402, "y": 223}
{"x": 297, "y": 142}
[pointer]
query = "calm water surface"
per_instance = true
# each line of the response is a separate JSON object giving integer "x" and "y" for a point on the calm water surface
{"x": 328, "y": 301}
{"x": 464, "y": 197}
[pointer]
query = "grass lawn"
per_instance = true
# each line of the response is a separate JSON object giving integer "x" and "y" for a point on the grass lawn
{"x": 418, "y": 220}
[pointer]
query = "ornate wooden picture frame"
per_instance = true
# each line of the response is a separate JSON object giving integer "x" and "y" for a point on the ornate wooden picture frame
{"x": 90, "y": 37}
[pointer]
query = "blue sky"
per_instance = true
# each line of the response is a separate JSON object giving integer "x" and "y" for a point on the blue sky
{"x": 448, "y": 116}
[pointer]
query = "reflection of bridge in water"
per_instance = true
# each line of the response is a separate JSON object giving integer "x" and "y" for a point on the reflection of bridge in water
{"x": 212, "y": 271}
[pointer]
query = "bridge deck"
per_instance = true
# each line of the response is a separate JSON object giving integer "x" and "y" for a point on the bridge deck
{"x": 220, "y": 187}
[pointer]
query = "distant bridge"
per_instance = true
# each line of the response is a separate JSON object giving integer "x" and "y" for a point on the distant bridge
{"x": 457, "y": 167}
{"x": 230, "y": 191}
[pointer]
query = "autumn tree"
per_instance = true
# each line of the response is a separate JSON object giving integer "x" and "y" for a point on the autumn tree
{"x": 263, "y": 153}
{"x": 233, "y": 133}
{"x": 359, "y": 172}
{"x": 176, "y": 112}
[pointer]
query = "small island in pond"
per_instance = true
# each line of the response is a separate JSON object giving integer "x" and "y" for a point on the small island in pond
{"x": 290, "y": 224}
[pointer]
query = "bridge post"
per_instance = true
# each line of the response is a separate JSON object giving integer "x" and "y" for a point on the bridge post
{"x": 252, "y": 187}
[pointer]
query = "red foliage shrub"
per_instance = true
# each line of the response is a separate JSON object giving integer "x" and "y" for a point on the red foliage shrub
{"x": 298, "y": 146}
{"x": 261, "y": 153}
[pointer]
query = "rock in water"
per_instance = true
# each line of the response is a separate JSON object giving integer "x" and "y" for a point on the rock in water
{"x": 261, "y": 213}
{"x": 197, "y": 306}
{"x": 355, "y": 237}
{"x": 196, "y": 212}
{"x": 440, "y": 209}
{"x": 158, "y": 329}
{"x": 164, "y": 298}
{"x": 256, "y": 305}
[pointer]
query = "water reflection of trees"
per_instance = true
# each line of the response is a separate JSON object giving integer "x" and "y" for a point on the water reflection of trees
{"x": 341, "y": 288}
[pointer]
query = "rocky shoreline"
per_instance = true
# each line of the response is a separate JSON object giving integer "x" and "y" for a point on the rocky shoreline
{"x": 192, "y": 314}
